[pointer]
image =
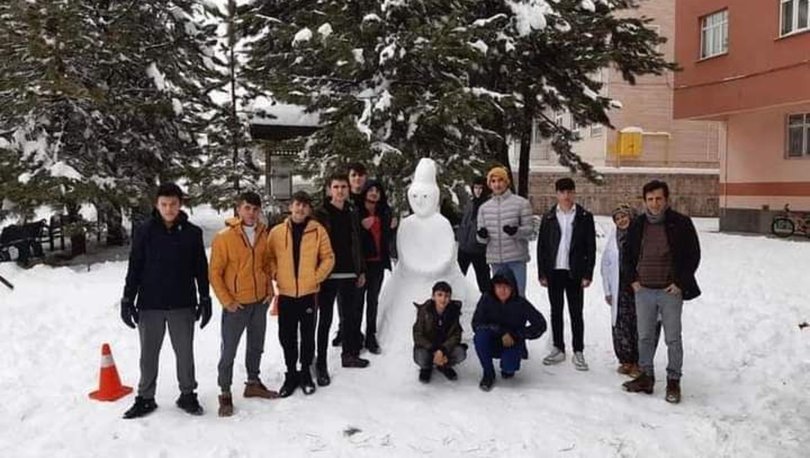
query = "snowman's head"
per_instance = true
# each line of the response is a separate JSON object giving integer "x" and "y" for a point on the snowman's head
{"x": 423, "y": 194}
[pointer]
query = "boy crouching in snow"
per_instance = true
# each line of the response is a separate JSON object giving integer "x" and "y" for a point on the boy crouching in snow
{"x": 437, "y": 334}
{"x": 501, "y": 329}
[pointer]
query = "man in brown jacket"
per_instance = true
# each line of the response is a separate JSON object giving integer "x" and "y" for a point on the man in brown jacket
{"x": 301, "y": 258}
{"x": 437, "y": 334}
{"x": 240, "y": 275}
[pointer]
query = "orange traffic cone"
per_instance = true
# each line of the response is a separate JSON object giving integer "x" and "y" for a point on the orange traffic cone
{"x": 109, "y": 384}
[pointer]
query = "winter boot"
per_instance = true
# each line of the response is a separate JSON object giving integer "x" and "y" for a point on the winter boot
{"x": 641, "y": 384}
{"x": 507, "y": 375}
{"x": 141, "y": 408}
{"x": 371, "y": 344}
{"x": 486, "y": 382}
{"x": 289, "y": 386}
{"x": 256, "y": 389}
{"x": 225, "y": 405}
{"x": 322, "y": 376}
{"x": 579, "y": 361}
{"x": 424, "y": 375}
{"x": 556, "y": 356}
{"x": 353, "y": 361}
{"x": 448, "y": 372}
{"x": 307, "y": 385}
{"x": 189, "y": 403}
{"x": 673, "y": 391}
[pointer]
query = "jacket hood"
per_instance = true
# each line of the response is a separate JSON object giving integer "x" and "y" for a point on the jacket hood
{"x": 504, "y": 273}
{"x": 375, "y": 184}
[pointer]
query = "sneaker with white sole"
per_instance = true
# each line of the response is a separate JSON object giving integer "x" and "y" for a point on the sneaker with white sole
{"x": 556, "y": 356}
{"x": 579, "y": 361}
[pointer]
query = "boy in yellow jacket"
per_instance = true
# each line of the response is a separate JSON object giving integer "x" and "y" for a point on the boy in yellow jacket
{"x": 301, "y": 258}
{"x": 240, "y": 274}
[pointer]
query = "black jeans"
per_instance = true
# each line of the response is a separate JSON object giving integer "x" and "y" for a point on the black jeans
{"x": 371, "y": 293}
{"x": 296, "y": 313}
{"x": 561, "y": 284}
{"x": 479, "y": 263}
{"x": 347, "y": 294}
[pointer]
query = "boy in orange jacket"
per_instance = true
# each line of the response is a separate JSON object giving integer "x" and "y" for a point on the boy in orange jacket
{"x": 240, "y": 275}
{"x": 301, "y": 258}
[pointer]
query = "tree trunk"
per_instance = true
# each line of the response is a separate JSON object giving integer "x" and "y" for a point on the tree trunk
{"x": 523, "y": 162}
{"x": 78, "y": 237}
{"x": 115, "y": 225}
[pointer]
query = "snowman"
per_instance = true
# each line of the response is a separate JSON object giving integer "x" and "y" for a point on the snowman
{"x": 427, "y": 253}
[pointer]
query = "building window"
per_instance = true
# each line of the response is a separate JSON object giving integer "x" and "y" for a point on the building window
{"x": 596, "y": 130}
{"x": 714, "y": 34}
{"x": 798, "y": 135}
{"x": 795, "y": 16}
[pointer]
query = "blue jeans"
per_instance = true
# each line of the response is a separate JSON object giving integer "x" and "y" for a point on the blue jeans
{"x": 518, "y": 268}
{"x": 488, "y": 346}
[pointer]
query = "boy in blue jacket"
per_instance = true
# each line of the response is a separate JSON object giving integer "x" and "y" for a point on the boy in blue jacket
{"x": 501, "y": 329}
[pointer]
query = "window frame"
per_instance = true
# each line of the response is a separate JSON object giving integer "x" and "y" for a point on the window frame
{"x": 794, "y": 19}
{"x": 709, "y": 31}
{"x": 804, "y": 152}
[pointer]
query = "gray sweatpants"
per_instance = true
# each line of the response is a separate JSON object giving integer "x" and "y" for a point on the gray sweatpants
{"x": 424, "y": 358}
{"x": 252, "y": 317}
{"x": 152, "y": 326}
{"x": 650, "y": 303}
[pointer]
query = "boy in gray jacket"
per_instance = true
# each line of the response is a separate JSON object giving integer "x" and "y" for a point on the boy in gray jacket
{"x": 505, "y": 226}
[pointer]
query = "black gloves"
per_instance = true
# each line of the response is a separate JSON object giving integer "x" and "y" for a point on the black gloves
{"x": 510, "y": 230}
{"x": 483, "y": 233}
{"x": 129, "y": 314}
{"x": 204, "y": 311}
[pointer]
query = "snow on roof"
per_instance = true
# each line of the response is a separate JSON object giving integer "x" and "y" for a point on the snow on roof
{"x": 268, "y": 112}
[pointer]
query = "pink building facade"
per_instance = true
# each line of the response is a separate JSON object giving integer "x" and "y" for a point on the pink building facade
{"x": 746, "y": 64}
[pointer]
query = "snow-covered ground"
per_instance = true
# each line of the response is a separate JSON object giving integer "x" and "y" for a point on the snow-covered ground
{"x": 745, "y": 382}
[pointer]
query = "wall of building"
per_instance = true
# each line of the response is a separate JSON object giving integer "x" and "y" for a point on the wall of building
{"x": 761, "y": 69}
{"x": 692, "y": 192}
{"x": 757, "y": 179}
{"x": 648, "y": 104}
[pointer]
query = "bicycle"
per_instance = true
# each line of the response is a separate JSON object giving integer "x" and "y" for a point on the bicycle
{"x": 790, "y": 223}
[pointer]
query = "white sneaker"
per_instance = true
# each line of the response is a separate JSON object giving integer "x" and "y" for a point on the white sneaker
{"x": 579, "y": 361}
{"x": 556, "y": 356}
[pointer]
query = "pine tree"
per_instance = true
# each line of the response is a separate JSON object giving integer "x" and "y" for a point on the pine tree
{"x": 101, "y": 99}
{"x": 453, "y": 80}
{"x": 390, "y": 81}
{"x": 226, "y": 168}
{"x": 543, "y": 57}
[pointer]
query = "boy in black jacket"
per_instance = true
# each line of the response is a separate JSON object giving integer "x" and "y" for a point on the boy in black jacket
{"x": 166, "y": 260}
{"x": 437, "y": 334}
{"x": 500, "y": 327}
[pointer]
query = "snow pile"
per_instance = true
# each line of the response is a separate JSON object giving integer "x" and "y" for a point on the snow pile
{"x": 745, "y": 379}
{"x": 530, "y": 15}
{"x": 302, "y": 36}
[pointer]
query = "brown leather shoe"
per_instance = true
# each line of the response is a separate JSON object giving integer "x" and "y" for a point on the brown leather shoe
{"x": 641, "y": 384}
{"x": 258, "y": 390}
{"x": 673, "y": 391}
{"x": 225, "y": 405}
